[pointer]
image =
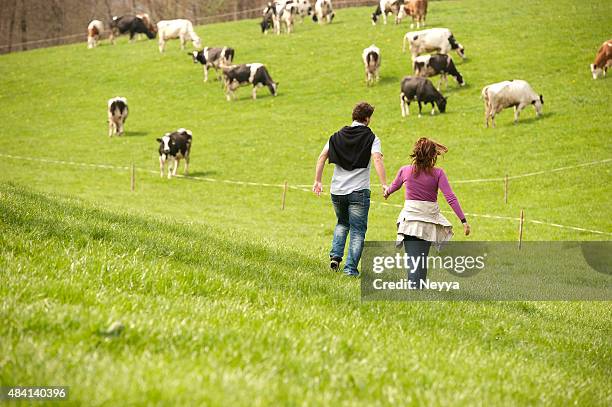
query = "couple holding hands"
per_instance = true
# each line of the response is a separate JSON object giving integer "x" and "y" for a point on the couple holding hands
{"x": 353, "y": 149}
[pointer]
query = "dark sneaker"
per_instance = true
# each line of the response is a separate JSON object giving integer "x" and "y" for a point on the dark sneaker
{"x": 351, "y": 273}
{"x": 334, "y": 263}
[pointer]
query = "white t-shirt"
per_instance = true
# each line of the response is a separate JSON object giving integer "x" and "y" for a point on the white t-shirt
{"x": 344, "y": 182}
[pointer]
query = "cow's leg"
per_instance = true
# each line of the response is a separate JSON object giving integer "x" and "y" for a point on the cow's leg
{"x": 162, "y": 45}
{"x": 161, "y": 166}
{"x": 182, "y": 39}
{"x": 517, "y": 112}
{"x": 172, "y": 160}
{"x": 420, "y": 107}
{"x": 402, "y": 104}
{"x": 110, "y": 128}
{"x": 384, "y": 18}
{"x": 433, "y": 109}
{"x": 132, "y": 33}
{"x": 177, "y": 161}
{"x": 254, "y": 92}
{"x": 187, "y": 164}
{"x": 486, "y": 106}
{"x": 205, "y": 73}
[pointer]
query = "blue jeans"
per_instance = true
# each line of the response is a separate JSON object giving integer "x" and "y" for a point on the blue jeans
{"x": 352, "y": 213}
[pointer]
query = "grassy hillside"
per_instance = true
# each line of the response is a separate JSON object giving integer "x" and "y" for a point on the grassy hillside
{"x": 227, "y": 299}
{"x": 212, "y": 319}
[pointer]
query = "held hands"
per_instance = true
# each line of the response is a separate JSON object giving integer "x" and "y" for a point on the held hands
{"x": 386, "y": 192}
{"x": 466, "y": 229}
{"x": 317, "y": 188}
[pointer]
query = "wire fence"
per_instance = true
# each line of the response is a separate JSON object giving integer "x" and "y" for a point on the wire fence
{"x": 217, "y": 18}
{"x": 306, "y": 188}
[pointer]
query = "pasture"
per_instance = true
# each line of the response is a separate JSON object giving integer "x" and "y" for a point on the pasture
{"x": 226, "y": 299}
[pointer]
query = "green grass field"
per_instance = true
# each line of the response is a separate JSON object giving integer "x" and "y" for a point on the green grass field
{"x": 225, "y": 298}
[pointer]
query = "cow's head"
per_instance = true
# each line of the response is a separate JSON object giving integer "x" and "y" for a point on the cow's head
{"x": 537, "y": 103}
{"x": 274, "y": 88}
{"x": 442, "y": 104}
{"x": 460, "y": 51}
{"x": 164, "y": 144}
{"x": 595, "y": 71}
{"x": 197, "y": 56}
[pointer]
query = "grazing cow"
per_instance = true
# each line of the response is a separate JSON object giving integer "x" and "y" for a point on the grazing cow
{"x": 181, "y": 29}
{"x": 117, "y": 115}
{"x": 371, "y": 60}
{"x": 432, "y": 40}
{"x": 282, "y": 14}
{"x": 254, "y": 74}
{"x": 304, "y": 8}
{"x": 323, "y": 12}
{"x": 267, "y": 21}
{"x": 437, "y": 64}
{"x": 603, "y": 60}
{"x": 417, "y": 10}
{"x": 94, "y": 29}
{"x": 172, "y": 147}
{"x": 148, "y": 22}
{"x": 385, "y": 7}
{"x": 131, "y": 24}
{"x": 514, "y": 93}
{"x": 421, "y": 89}
{"x": 213, "y": 58}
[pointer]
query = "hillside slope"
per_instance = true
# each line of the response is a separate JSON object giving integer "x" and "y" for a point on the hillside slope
{"x": 214, "y": 318}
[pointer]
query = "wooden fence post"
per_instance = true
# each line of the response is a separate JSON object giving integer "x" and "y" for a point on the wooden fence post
{"x": 132, "y": 178}
{"x": 506, "y": 189}
{"x": 284, "y": 196}
{"x": 521, "y": 228}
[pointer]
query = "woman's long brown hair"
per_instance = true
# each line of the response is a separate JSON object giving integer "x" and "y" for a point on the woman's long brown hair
{"x": 425, "y": 154}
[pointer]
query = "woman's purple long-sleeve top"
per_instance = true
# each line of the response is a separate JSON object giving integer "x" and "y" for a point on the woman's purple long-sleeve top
{"x": 424, "y": 187}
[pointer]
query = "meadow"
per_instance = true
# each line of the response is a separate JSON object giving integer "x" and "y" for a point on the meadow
{"x": 226, "y": 298}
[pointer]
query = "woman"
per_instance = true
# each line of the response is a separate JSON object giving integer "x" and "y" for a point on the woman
{"x": 420, "y": 222}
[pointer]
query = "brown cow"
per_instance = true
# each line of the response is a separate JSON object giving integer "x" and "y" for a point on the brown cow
{"x": 417, "y": 9}
{"x": 94, "y": 29}
{"x": 603, "y": 60}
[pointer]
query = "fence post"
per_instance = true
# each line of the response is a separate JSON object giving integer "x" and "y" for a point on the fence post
{"x": 521, "y": 228}
{"x": 284, "y": 196}
{"x": 132, "y": 178}
{"x": 506, "y": 189}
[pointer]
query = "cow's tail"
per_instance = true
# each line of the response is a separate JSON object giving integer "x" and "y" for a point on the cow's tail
{"x": 229, "y": 55}
{"x": 404, "y": 42}
{"x": 484, "y": 95}
{"x": 453, "y": 42}
{"x": 372, "y": 60}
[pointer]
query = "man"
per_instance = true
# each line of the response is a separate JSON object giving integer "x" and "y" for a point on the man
{"x": 350, "y": 149}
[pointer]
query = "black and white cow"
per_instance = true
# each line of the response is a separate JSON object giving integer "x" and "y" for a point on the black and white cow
{"x": 304, "y": 8}
{"x": 267, "y": 22}
{"x": 421, "y": 90}
{"x": 130, "y": 24}
{"x": 172, "y": 147}
{"x": 254, "y": 74}
{"x": 371, "y": 60}
{"x": 385, "y": 7}
{"x": 323, "y": 12}
{"x": 117, "y": 115}
{"x": 437, "y": 64}
{"x": 213, "y": 58}
{"x": 440, "y": 40}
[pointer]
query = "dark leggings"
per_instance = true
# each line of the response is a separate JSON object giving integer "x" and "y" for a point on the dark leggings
{"x": 418, "y": 249}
